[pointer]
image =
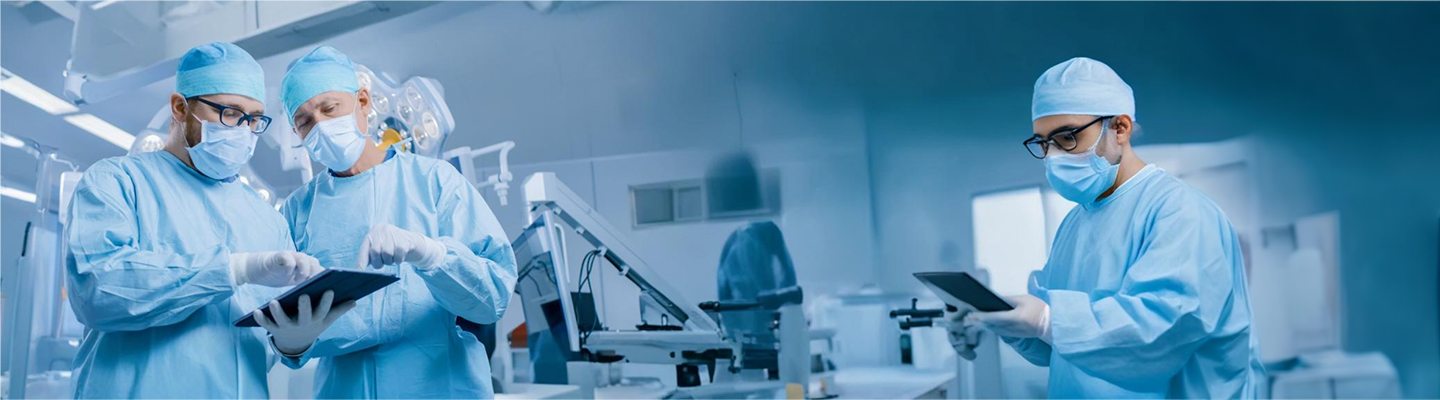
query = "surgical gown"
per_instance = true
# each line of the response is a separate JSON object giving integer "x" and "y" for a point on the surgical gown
{"x": 754, "y": 260}
{"x": 1147, "y": 299}
{"x": 403, "y": 341}
{"x": 148, "y": 274}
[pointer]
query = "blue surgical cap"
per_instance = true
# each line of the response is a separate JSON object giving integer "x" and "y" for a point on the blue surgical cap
{"x": 1081, "y": 86}
{"x": 323, "y": 70}
{"x": 219, "y": 68}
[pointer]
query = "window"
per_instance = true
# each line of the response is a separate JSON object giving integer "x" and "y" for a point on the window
{"x": 653, "y": 205}
{"x": 695, "y": 200}
{"x": 1010, "y": 237}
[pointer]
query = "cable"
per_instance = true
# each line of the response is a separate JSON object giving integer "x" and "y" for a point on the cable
{"x": 530, "y": 267}
{"x": 587, "y": 268}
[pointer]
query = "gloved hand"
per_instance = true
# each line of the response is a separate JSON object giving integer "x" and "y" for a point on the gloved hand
{"x": 275, "y": 268}
{"x": 293, "y": 336}
{"x": 1029, "y": 319}
{"x": 387, "y": 244}
{"x": 964, "y": 336}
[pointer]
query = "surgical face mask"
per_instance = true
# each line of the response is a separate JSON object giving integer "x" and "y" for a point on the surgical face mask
{"x": 1082, "y": 177}
{"x": 336, "y": 143}
{"x": 222, "y": 150}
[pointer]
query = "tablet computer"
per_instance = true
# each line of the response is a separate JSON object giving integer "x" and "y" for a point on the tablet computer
{"x": 960, "y": 287}
{"x": 348, "y": 284}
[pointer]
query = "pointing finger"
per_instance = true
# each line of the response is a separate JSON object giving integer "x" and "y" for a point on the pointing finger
{"x": 362, "y": 260}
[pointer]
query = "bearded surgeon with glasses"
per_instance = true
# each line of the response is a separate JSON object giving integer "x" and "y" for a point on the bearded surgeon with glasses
{"x": 166, "y": 248}
{"x": 1144, "y": 292}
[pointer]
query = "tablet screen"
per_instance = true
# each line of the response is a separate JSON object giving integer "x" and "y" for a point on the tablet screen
{"x": 961, "y": 287}
{"x": 348, "y": 284}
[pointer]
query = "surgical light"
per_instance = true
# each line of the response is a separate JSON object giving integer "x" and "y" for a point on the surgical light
{"x": 428, "y": 129}
{"x": 147, "y": 142}
{"x": 11, "y": 141}
{"x": 411, "y": 114}
{"x": 381, "y": 103}
{"x": 17, "y": 194}
{"x": 102, "y": 129}
{"x": 24, "y": 90}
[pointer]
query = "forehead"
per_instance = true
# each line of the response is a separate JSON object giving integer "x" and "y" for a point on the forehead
{"x": 249, "y": 105}
{"x": 1045, "y": 125}
{"x": 320, "y": 99}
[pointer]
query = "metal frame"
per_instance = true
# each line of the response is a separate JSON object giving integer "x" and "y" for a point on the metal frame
{"x": 39, "y": 276}
{"x": 545, "y": 194}
{"x": 701, "y": 342}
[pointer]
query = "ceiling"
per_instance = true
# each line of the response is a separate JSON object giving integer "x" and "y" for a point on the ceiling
{"x": 601, "y": 79}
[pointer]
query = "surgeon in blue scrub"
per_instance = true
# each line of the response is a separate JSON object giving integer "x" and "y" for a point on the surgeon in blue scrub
{"x": 413, "y": 216}
{"x": 754, "y": 258}
{"x": 167, "y": 248}
{"x": 1144, "y": 293}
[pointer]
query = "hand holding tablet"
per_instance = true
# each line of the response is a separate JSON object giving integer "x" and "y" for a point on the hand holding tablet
{"x": 347, "y": 284}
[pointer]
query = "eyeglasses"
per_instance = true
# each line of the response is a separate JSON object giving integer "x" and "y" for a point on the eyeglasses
{"x": 1064, "y": 139}
{"x": 233, "y": 117}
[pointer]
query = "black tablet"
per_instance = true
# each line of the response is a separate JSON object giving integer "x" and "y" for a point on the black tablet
{"x": 960, "y": 286}
{"x": 348, "y": 284}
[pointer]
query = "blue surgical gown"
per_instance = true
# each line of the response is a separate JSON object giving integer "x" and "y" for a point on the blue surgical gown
{"x": 402, "y": 342}
{"x": 1147, "y": 299}
{"x": 148, "y": 274}
{"x": 754, "y": 260}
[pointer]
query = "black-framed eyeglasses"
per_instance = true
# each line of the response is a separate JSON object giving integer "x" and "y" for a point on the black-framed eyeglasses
{"x": 1064, "y": 139}
{"x": 233, "y": 117}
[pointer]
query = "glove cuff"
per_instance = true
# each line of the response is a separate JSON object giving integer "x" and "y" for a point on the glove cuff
{"x": 238, "y": 263}
{"x": 1045, "y": 326}
{"x": 433, "y": 254}
{"x": 286, "y": 353}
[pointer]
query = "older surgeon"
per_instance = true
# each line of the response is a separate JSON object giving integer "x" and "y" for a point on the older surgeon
{"x": 398, "y": 212}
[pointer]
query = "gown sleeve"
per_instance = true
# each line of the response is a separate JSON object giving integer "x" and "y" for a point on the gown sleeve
{"x": 478, "y": 275}
{"x": 116, "y": 286}
{"x": 1033, "y": 350}
{"x": 1170, "y": 301}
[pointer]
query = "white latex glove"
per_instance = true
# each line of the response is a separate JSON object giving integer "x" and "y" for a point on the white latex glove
{"x": 1029, "y": 319}
{"x": 275, "y": 268}
{"x": 293, "y": 336}
{"x": 964, "y": 335}
{"x": 387, "y": 244}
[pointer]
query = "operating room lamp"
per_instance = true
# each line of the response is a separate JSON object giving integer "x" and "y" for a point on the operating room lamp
{"x": 411, "y": 114}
